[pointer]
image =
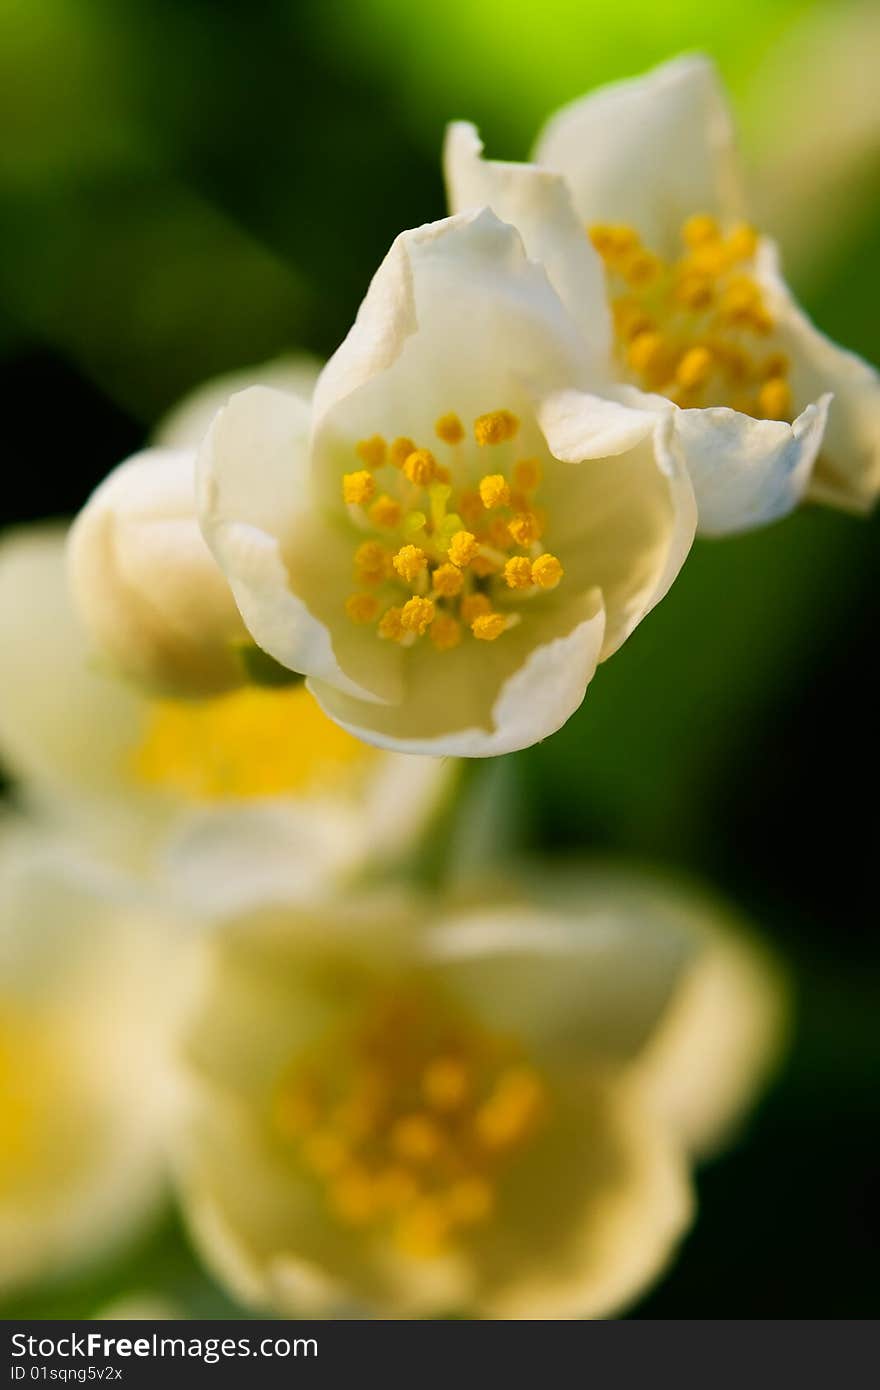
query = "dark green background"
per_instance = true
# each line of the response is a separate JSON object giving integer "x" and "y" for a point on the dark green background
{"x": 188, "y": 186}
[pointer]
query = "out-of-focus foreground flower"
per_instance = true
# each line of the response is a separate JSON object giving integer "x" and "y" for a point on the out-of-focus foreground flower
{"x": 88, "y": 992}
{"x": 413, "y": 1108}
{"x": 460, "y": 532}
{"x": 140, "y": 776}
{"x": 699, "y": 313}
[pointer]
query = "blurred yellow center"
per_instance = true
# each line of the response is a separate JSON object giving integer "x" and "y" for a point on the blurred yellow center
{"x": 438, "y": 561}
{"x": 254, "y": 742}
{"x": 408, "y": 1119}
{"x": 695, "y": 328}
{"x": 20, "y": 1062}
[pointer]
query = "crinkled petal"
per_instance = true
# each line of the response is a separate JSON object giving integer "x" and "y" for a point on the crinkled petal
{"x": 847, "y": 472}
{"x": 650, "y": 151}
{"x": 538, "y": 203}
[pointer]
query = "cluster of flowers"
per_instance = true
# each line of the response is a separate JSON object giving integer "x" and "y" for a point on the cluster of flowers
{"x": 369, "y": 1094}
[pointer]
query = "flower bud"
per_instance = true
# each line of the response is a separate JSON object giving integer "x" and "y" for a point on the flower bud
{"x": 147, "y": 589}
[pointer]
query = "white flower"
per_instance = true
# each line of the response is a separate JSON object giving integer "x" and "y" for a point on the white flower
{"x": 88, "y": 993}
{"x": 460, "y": 532}
{"x": 157, "y": 781}
{"x": 408, "y": 1111}
{"x": 699, "y": 312}
{"x": 149, "y": 593}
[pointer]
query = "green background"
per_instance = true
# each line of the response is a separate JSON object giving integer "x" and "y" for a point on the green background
{"x": 188, "y": 186}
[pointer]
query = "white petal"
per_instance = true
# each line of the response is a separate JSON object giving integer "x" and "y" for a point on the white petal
{"x": 63, "y": 724}
{"x": 185, "y": 426}
{"x": 847, "y": 472}
{"x": 253, "y": 492}
{"x": 533, "y": 701}
{"x": 748, "y": 472}
{"x": 625, "y": 515}
{"x": 650, "y": 151}
{"x": 539, "y": 204}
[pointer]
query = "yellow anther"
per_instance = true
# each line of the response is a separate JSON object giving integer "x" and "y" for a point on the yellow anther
{"x": 362, "y": 608}
{"x": 474, "y": 606}
{"x": 400, "y": 450}
{"x": 420, "y": 467}
{"x": 498, "y": 534}
{"x": 641, "y": 267}
{"x": 494, "y": 491}
{"x": 353, "y": 1197}
{"x": 448, "y": 581}
{"x": 462, "y": 548}
{"x": 417, "y": 615}
{"x": 740, "y": 300}
{"x": 700, "y": 229}
{"x": 489, "y": 627}
{"x": 470, "y": 1201}
{"x": 694, "y": 291}
{"x": 524, "y": 528}
{"x": 371, "y": 562}
{"x": 446, "y": 1083}
{"x": 742, "y": 243}
{"x": 445, "y": 632}
{"x": 613, "y": 241}
{"x": 470, "y": 507}
{"x": 646, "y": 351}
{"x": 546, "y": 571}
{"x": 409, "y": 562}
{"x": 324, "y": 1152}
{"x": 415, "y": 1138}
{"x": 774, "y": 399}
{"x": 395, "y": 1187}
{"x": 484, "y": 565}
{"x": 518, "y": 572}
{"x": 511, "y": 1110}
{"x": 777, "y": 364}
{"x": 422, "y": 1232}
{"x": 372, "y": 451}
{"x": 449, "y": 428}
{"x": 441, "y": 473}
{"x": 386, "y": 512}
{"x": 631, "y": 318}
{"x": 391, "y": 624}
{"x": 527, "y": 474}
{"x": 694, "y": 368}
{"x": 496, "y": 427}
{"x": 358, "y": 487}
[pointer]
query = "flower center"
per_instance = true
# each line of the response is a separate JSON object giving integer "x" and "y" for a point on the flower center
{"x": 251, "y": 743}
{"x": 695, "y": 328}
{"x": 407, "y": 1120}
{"x": 442, "y": 561}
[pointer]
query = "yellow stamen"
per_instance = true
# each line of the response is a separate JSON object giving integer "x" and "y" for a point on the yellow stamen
{"x": 449, "y": 428}
{"x": 462, "y": 548}
{"x": 372, "y": 451}
{"x": 612, "y": 241}
{"x": 353, "y": 1197}
{"x": 474, "y": 606}
{"x": 409, "y": 562}
{"x": 448, "y": 581}
{"x": 358, "y": 487}
{"x": 423, "y": 1231}
{"x": 371, "y": 563}
{"x": 496, "y": 427}
{"x": 415, "y": 1138}
{"x": 445, "y": 632}
{"x": 694, "y": 368}
{"x": 511, "y": 1110}
{"x": 489, "y": 627}
{"x": 527, "y": 474}
{"x": 774, "y": 399}
{"x": 420, "y": 467}
{"x": 524, "y": 528}
{"x": 700, "y": 229}
{"x": 386, "y": 513}
{"x": 743, "y": 241}
{"x": 362, "y": 608}
{"x": 391, "y": 625}
{"x": 518, "y": 572}
{"x": 494, "y": 491}
{"x": 446, "y": 1083}
{"x": 417, "y": 615}
{"x": 546, "y": 571}
{"x": 400, "y": 450}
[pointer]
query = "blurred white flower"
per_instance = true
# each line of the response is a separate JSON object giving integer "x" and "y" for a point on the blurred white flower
{"x": 89, "y": 992}
{"x": 460, "y": 532}
{"x": 408, "y": 1110}
{"x": 699, "y": 314}
{"x": 148, "y": 591}
{"x": 149, "y": 780}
